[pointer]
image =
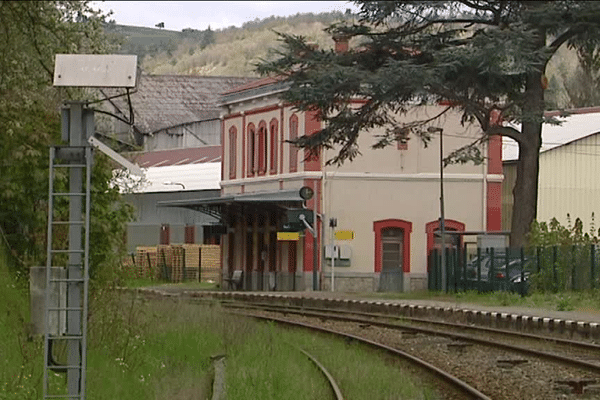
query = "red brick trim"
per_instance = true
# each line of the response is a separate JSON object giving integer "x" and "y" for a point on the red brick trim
{"x": 449, "y": 224}
{"x": 313, "y": 204}
{"x": 312, "y": 124}
{"x": 378, "y": 227}
{"x": 262, "y": 110}
{"x": 244, "y": 146}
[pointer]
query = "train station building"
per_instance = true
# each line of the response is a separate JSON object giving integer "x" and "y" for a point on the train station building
{"x": 386, "y": 202}
{"x": 389, "y": 199}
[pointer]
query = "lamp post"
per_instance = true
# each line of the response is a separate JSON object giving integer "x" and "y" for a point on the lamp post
{"x": 442, "y": 217}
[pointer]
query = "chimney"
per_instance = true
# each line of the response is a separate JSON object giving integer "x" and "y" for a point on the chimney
{"x": 341, "y": 43}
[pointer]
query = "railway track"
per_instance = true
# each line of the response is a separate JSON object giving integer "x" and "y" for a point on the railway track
{"x": 492, "y": 366}
{"x": 562, "y": 349}
{"x": 459, "y": 388}
{"x": 495, "y": 363}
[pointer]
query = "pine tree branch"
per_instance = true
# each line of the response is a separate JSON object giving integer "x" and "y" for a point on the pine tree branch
{"x": 507, "y": 131}
{"x": 563, "y": 37}
{"x": 476, "y": 6}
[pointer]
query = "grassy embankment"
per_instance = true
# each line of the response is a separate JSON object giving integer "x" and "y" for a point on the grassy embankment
{"x": 162, "y": 349}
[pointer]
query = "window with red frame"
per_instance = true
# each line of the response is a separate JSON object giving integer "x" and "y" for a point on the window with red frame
{"x": 251, "y": 150}
{"x": 293, "y": 148}
{"x": 273, "y": 130}
{"x": 232, "y": 151}
{"x": 402, "y": 139}
{"x": 190, "y": 234}
{"x": 262, "y": 147}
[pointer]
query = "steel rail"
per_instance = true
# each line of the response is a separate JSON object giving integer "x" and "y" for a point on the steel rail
{"x": 538, "y": 353}
{"x": 332, "y": 383}
{"x": 566, "y": 342}
{"x": 451, "y": 379}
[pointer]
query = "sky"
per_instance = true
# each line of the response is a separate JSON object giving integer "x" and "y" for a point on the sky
{"x": 178, "y": 15}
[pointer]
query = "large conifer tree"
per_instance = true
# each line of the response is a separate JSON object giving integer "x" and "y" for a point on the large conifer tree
{"x": 481, "y": 57}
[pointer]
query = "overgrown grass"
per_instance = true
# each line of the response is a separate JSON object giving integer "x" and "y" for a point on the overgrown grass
{"x": 20, "y": 373}
{"x": 163, "y": 349}
{"x": 170, "y": 357}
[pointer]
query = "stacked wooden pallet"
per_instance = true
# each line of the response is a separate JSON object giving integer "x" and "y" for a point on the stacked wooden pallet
{"x": 179, "y": 262}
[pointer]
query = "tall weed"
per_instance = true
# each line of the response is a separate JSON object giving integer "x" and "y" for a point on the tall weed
{"x": 20, "y": 355}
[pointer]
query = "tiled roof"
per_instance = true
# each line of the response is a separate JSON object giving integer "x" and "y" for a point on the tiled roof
{"x": 580, "y": 123}
{"x": 257, "y": 88}
{"x": 255, "y": 84}
{"x": 164, "y": 101}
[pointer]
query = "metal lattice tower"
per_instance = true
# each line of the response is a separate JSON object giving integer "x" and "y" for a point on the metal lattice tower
{"x": 67, "y": 264}
{"x": 67, "y": 260}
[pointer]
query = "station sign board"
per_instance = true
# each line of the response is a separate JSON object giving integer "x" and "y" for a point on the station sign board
{"x": 288, "y": 236}
{"x": 344, "y": 235}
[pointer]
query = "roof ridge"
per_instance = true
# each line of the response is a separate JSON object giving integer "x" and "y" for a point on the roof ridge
{"x": 580, "y": 110}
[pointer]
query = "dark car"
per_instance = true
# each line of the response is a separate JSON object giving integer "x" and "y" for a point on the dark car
{"x": 480, "y": 274}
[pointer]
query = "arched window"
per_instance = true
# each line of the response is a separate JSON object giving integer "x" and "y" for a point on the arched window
{"x": 273, "y": 131}
{"x": 293, "y": 148}
{"x": 251, "y": 149}
{"x": 262, "y": 147}
{"x": 232, "y": 151}
{"x": 434, "y": 241}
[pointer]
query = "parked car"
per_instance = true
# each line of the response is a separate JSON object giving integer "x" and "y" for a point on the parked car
{"x": 481, "y": 275}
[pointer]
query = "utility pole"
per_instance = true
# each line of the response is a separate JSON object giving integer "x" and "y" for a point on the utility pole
{"x": 432, "y": 129}
{"x": 442, "y": 216}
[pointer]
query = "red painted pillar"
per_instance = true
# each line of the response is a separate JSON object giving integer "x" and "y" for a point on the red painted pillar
{"x": 494, "y": 189}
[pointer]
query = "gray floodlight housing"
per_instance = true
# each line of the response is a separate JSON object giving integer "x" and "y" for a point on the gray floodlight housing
{"x": 95, "y": 70}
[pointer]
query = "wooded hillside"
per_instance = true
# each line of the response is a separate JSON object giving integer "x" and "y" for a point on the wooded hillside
{"x": 234, "y": 51}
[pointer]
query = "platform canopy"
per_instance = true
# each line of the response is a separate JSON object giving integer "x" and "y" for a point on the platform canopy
{"x": 215, "y": 206}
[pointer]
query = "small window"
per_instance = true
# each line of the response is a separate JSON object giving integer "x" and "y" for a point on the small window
{"x": 251, "y": 150}
{"x": 402, "y": 137}
{"x": 293, "y": 148}
{"x": 262, "y": 148}
{"x": 232, "y": 152}
{"x": 190, "y": 234}
{"x": 273, "y": 130}
{"x": 165, "y": 234}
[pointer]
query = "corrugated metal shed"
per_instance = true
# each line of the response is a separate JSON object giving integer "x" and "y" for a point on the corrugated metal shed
{"x": 568, "y": 180}
{"x": 173, "y": 178}
{"x": 582, "y": 123}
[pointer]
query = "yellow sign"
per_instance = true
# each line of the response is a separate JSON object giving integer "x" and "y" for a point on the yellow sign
{"x": 288, "y": 235}
{"x": 344, "y": 235}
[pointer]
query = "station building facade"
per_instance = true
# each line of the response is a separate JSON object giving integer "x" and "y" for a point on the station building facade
{"x": 389, "y": 198}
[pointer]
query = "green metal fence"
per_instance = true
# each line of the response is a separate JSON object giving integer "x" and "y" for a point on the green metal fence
{"x": 521, "y": 270}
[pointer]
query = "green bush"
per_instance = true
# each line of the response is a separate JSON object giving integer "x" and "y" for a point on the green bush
{"x": 562, "y": 256}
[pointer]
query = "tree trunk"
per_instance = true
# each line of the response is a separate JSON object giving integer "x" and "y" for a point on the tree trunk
{"x": 525, "y": 192}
